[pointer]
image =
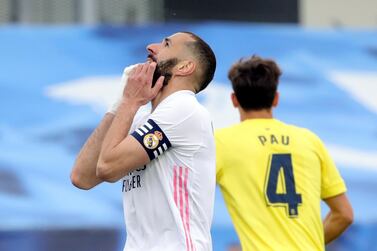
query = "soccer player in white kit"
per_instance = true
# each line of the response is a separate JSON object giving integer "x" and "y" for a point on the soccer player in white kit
{"x": 165, "y": 158}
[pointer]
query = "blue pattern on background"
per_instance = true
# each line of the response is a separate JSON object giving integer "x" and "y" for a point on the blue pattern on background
{"x": 39, "y": 137}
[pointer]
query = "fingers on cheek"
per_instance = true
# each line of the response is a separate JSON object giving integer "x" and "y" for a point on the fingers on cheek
{"x": 141, "y": 80}
{"x": 145, "y": 68}
{"x": 152, "y": 67}
{"x": 132, "y": 77}
{"x": 138, "y": 69}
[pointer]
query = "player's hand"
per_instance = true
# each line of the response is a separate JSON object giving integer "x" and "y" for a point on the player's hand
{"x": 139, "y": 89}
{"x": 126, "y": 72}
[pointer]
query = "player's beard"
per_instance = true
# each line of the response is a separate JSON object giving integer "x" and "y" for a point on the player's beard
{"x": 164, "y": 68}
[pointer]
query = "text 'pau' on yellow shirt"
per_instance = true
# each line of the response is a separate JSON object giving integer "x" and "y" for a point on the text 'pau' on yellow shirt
{"x": 273, "y": 177}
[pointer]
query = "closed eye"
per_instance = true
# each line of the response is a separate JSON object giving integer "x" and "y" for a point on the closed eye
{"x": 167, "y": 42}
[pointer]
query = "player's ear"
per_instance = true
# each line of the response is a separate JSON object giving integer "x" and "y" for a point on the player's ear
{"x": 185, "y": 67}
{"x": 275, "y": 102}
{"x": 234, "y": 99}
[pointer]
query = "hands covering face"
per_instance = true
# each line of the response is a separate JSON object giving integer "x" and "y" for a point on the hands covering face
{"x": 139, "y": 85}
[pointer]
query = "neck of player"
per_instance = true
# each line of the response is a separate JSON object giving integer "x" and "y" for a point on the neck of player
{"x": 175, "y": 84}
{"x": 255, "y": 114}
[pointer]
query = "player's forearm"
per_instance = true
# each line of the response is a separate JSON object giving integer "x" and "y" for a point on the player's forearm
{"x": 107, "y": 166}
{"x": 335, "y": 224}
{"x": 83, "y": 174}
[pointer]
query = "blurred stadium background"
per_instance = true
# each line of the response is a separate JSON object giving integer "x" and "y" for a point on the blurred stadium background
{"x": 61, "y": 62}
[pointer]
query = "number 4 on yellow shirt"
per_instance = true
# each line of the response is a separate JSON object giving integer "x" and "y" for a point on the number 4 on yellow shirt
{"x": 289, "y": 198}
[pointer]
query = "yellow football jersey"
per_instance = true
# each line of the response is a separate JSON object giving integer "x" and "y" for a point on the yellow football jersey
{"x": 273, "y": 177}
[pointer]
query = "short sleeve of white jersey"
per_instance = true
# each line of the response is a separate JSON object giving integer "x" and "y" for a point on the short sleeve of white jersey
{"x": 175, "y": 123}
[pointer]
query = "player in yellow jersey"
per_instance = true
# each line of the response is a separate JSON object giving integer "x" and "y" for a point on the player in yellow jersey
{"x": 273, "y": 176}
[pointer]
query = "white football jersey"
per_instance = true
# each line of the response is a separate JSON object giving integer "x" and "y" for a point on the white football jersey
{"x": 168, "y": 204}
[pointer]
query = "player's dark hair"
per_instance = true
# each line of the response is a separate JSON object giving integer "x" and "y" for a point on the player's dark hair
{"x": 206, "y": 58}
{"x": 254, "y": 81}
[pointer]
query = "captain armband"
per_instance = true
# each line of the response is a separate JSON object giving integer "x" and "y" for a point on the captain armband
{"x": 152, "y": 138}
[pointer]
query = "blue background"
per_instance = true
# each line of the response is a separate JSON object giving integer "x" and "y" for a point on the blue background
{"x": 40, "y": 136}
